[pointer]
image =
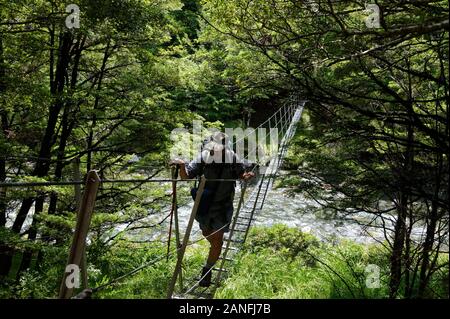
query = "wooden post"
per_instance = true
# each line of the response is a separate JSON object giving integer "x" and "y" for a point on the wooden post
{"x": 81, "y": 230}
{"x": 77, "y": 177}
{"x": 177, "y": 225}
{"x": 182, "y": 250}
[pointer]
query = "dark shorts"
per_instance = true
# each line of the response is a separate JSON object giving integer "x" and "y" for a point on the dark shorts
{"x": 219, "y": 215}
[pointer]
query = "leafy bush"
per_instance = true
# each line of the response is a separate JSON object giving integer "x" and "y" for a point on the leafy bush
{"x": 283, "y": 262}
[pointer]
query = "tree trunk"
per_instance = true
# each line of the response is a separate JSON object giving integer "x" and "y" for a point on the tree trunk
{"x": 409, "y": 282}
{"x": 4, "y": 122}
{"x": 96, "y": 103}
{"x": 43, "y": 163}
{"x": 433, "y": 218}
{"x": 397, "y": 249}
{"x": 401, "y": 225}
{"x": 32, "y": 233}
{"x": 5, "y": 251}
{"x": 67, "y": 125}
{"x": 3, "y": 204}
{"x": 432, "y": 221}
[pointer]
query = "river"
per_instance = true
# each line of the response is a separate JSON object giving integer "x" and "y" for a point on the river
{"x": 296, "y": 211}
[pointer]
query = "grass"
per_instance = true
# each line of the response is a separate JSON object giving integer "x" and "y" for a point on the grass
{"x": 284, "y": 263}
{"x": 276, "y": 262}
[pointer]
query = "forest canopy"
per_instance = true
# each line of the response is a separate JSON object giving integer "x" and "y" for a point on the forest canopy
{"x": 105, "y": 95}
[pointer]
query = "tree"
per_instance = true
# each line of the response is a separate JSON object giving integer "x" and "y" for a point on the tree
{"x": 379, "y": 102}
{"x": 98, "y": 77}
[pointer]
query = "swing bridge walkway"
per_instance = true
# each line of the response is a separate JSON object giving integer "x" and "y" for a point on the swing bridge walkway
{"x": 249, "y": 202}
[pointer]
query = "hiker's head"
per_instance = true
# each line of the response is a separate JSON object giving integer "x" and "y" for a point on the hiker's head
{"x": 217, "y": 149}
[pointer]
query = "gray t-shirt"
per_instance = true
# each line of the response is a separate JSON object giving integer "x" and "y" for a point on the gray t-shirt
{"x": 231, "y": 169}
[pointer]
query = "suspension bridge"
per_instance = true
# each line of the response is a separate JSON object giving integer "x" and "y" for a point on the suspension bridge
{"x": 249, "y": 202}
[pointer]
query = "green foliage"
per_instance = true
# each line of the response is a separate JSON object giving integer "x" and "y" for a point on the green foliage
{"x": 374, "y": 137}
{"x": 276, "y": 262}
{"x": 282, "y": 262}
{"x": 287, "y": 242}
{"x": 41, "y": 282}
{"x": 153, "y": 281}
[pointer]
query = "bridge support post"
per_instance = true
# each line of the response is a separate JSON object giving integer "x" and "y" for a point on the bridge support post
{"x": 175, "y": 212}
{"x": 81, "y": 231}
{"x": 182, "y": 250}
{"x": 77, "y": 189}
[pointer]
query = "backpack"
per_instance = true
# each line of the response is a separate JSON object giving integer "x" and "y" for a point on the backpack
{"x": 209, "y": 193}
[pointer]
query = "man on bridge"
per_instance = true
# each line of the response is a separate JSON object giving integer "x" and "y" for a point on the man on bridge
{"x": 217, "y": 161}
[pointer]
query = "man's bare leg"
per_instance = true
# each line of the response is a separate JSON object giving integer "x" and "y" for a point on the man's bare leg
{"x": 216, "y": 241}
